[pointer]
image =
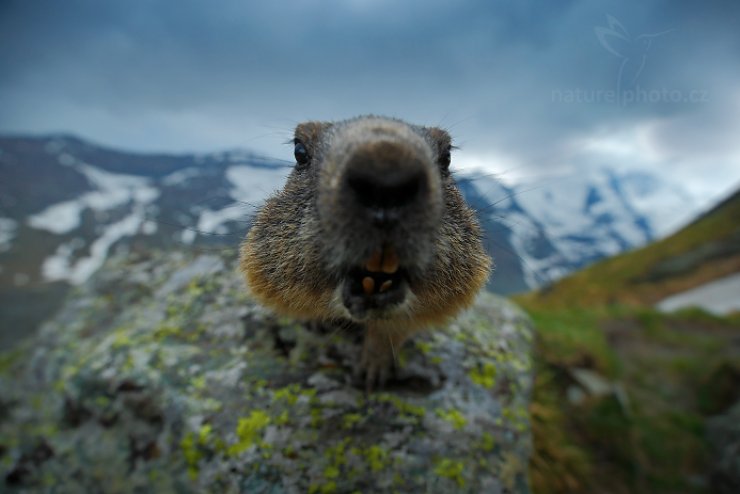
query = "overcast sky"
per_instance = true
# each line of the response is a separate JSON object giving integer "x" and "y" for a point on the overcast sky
{"x": 526, "y": 88}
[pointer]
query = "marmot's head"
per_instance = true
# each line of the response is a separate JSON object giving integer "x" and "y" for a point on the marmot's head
{"x": 370, "y": 226}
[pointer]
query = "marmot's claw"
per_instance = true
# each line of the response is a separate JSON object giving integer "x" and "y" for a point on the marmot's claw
{"x": 374, "y": 371}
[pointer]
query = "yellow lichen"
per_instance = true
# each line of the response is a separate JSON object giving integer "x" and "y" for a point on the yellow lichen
{"x": 198, "y": 382}
{"x": 283, "y": 418}
{"x": 326, "y": 488}
{"x": 336, "y": 453}
{"x": 121, "y": 338}
{"x": 424, "y": 346}
{"x": 316, "y": 417}
{"x": 350, "y": 420}
{"x": 404, "y": 407}
{"x": 377, "y": 457}
{"x": 288, "y": 393}
{"x": 487, "y": 442}
{"x": 484, "y": 375}
{"x": 192, "y": 454}
{"x": 166, "y": 330}
{"x": 331, "y": 472}
{"x": 247, "y": 431}
{"x": 454, "y": 417}
{"x": 205, "y": 433}
{"x": 450, "y": 469}
{"x": 192, "y": 446}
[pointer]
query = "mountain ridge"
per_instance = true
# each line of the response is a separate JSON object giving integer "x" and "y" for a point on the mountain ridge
{"x": 67, "y": 204}
{"x": 705, "y": 250}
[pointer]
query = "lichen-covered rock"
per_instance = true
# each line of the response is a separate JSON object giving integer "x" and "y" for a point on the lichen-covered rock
{"x": 161, "y": 375}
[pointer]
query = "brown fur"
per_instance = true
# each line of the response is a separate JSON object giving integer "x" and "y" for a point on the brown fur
{"x": 293, "y": 255}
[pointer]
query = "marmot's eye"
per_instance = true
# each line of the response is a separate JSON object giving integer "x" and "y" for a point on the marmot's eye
{"x": 445, "y": 158}
{"x": 301, "y": 153}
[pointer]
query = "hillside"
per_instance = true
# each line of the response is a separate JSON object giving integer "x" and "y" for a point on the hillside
{"x": 624, "y": 391}
{"x": 705, "y": 250}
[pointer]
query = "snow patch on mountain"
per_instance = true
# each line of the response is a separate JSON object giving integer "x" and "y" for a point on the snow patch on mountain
{"x": 562, "y": 223}
{"x": 180, "y": 177}
{"x": 113, "y": 190}
{"x": 213, "y": 222}
{"x": 586, "y": 216}
{"x": 250, "y": 186}
{"x": 718, "y": 297}
{"x": 667, "y": 205}
{"x": 62, "y": 265}
{"x": 8, "y": 229}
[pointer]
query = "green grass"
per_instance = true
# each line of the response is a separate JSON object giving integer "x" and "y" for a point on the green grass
{"x": 670, "y": 372}
{"x": 674, "y": 370}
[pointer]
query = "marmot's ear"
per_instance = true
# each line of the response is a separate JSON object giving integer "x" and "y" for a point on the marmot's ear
{"x": 309, "y": 133}
{"x": 442, "y": 144}
{"x": 440, "y": 136}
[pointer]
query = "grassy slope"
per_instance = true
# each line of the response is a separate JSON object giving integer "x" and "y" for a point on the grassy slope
{"x": 667, "y": 372}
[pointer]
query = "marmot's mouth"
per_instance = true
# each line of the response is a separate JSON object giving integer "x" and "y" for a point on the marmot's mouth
{"x": 381, "y": 282}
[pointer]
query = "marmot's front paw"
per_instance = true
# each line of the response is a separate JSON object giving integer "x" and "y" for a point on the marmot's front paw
{"x": 374, "y": 369}
{"x": 379, "y": 357}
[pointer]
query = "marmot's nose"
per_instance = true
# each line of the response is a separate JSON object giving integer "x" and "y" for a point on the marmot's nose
{"x": 385, "y": 191}
{"x": 384, "y": 178}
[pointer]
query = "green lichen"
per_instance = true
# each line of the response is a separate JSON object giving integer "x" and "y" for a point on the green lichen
{"x": 450, "y": 469}
{"x": 283, "y": 418}
{"x": 336, "y": 453}
{"x": 487, "y": 442}
{"x": 128, "y": 364}
{"x": 325, "y": 488}
{"x": 8, "y": 360}
{"x": 192, "y": 453}
{"x": 101, "y": 401}
{"x": 193, "y": 447}
{"x": 247, "y": 431}
{"x": 350, "y": 420}
{"x": 484, "y": 375}
{"x": 121, "y": 338}
{"x": 198, "y": 382}
{"x": 316, "y": 417}
{"x": 336, "y": 457}
{"x": 518, "y": 417}
{"x": 406, "y": 409}
{"x": 424, "y": 347}
{"x": 289, "y": 394}
{"x": 166, "y": 330}
{"x": 195, "y": 290}
{"x": 204, "y": 433}
{"x": 331, "y": 472}
{"x": 377, "y": 458}
{"x": 454, "y": 417}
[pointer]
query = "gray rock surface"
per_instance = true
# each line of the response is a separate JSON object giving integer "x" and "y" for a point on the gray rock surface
{"x": 162, "y": 375}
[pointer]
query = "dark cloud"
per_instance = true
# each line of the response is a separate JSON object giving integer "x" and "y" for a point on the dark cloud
{"x": 523, "y": 79}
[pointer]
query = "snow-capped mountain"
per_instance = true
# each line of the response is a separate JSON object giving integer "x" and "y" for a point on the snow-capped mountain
{"x": 65, "y": 205}
{"x": 564, "y": 223}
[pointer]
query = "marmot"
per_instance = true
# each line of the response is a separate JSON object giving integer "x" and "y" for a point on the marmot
{"x": 369, "y": 228}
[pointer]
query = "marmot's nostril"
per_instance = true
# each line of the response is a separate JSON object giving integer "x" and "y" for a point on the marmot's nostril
{"x": 382, "y": 192}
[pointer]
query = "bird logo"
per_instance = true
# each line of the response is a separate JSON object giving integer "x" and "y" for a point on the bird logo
{"x": 633, "y": 51}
